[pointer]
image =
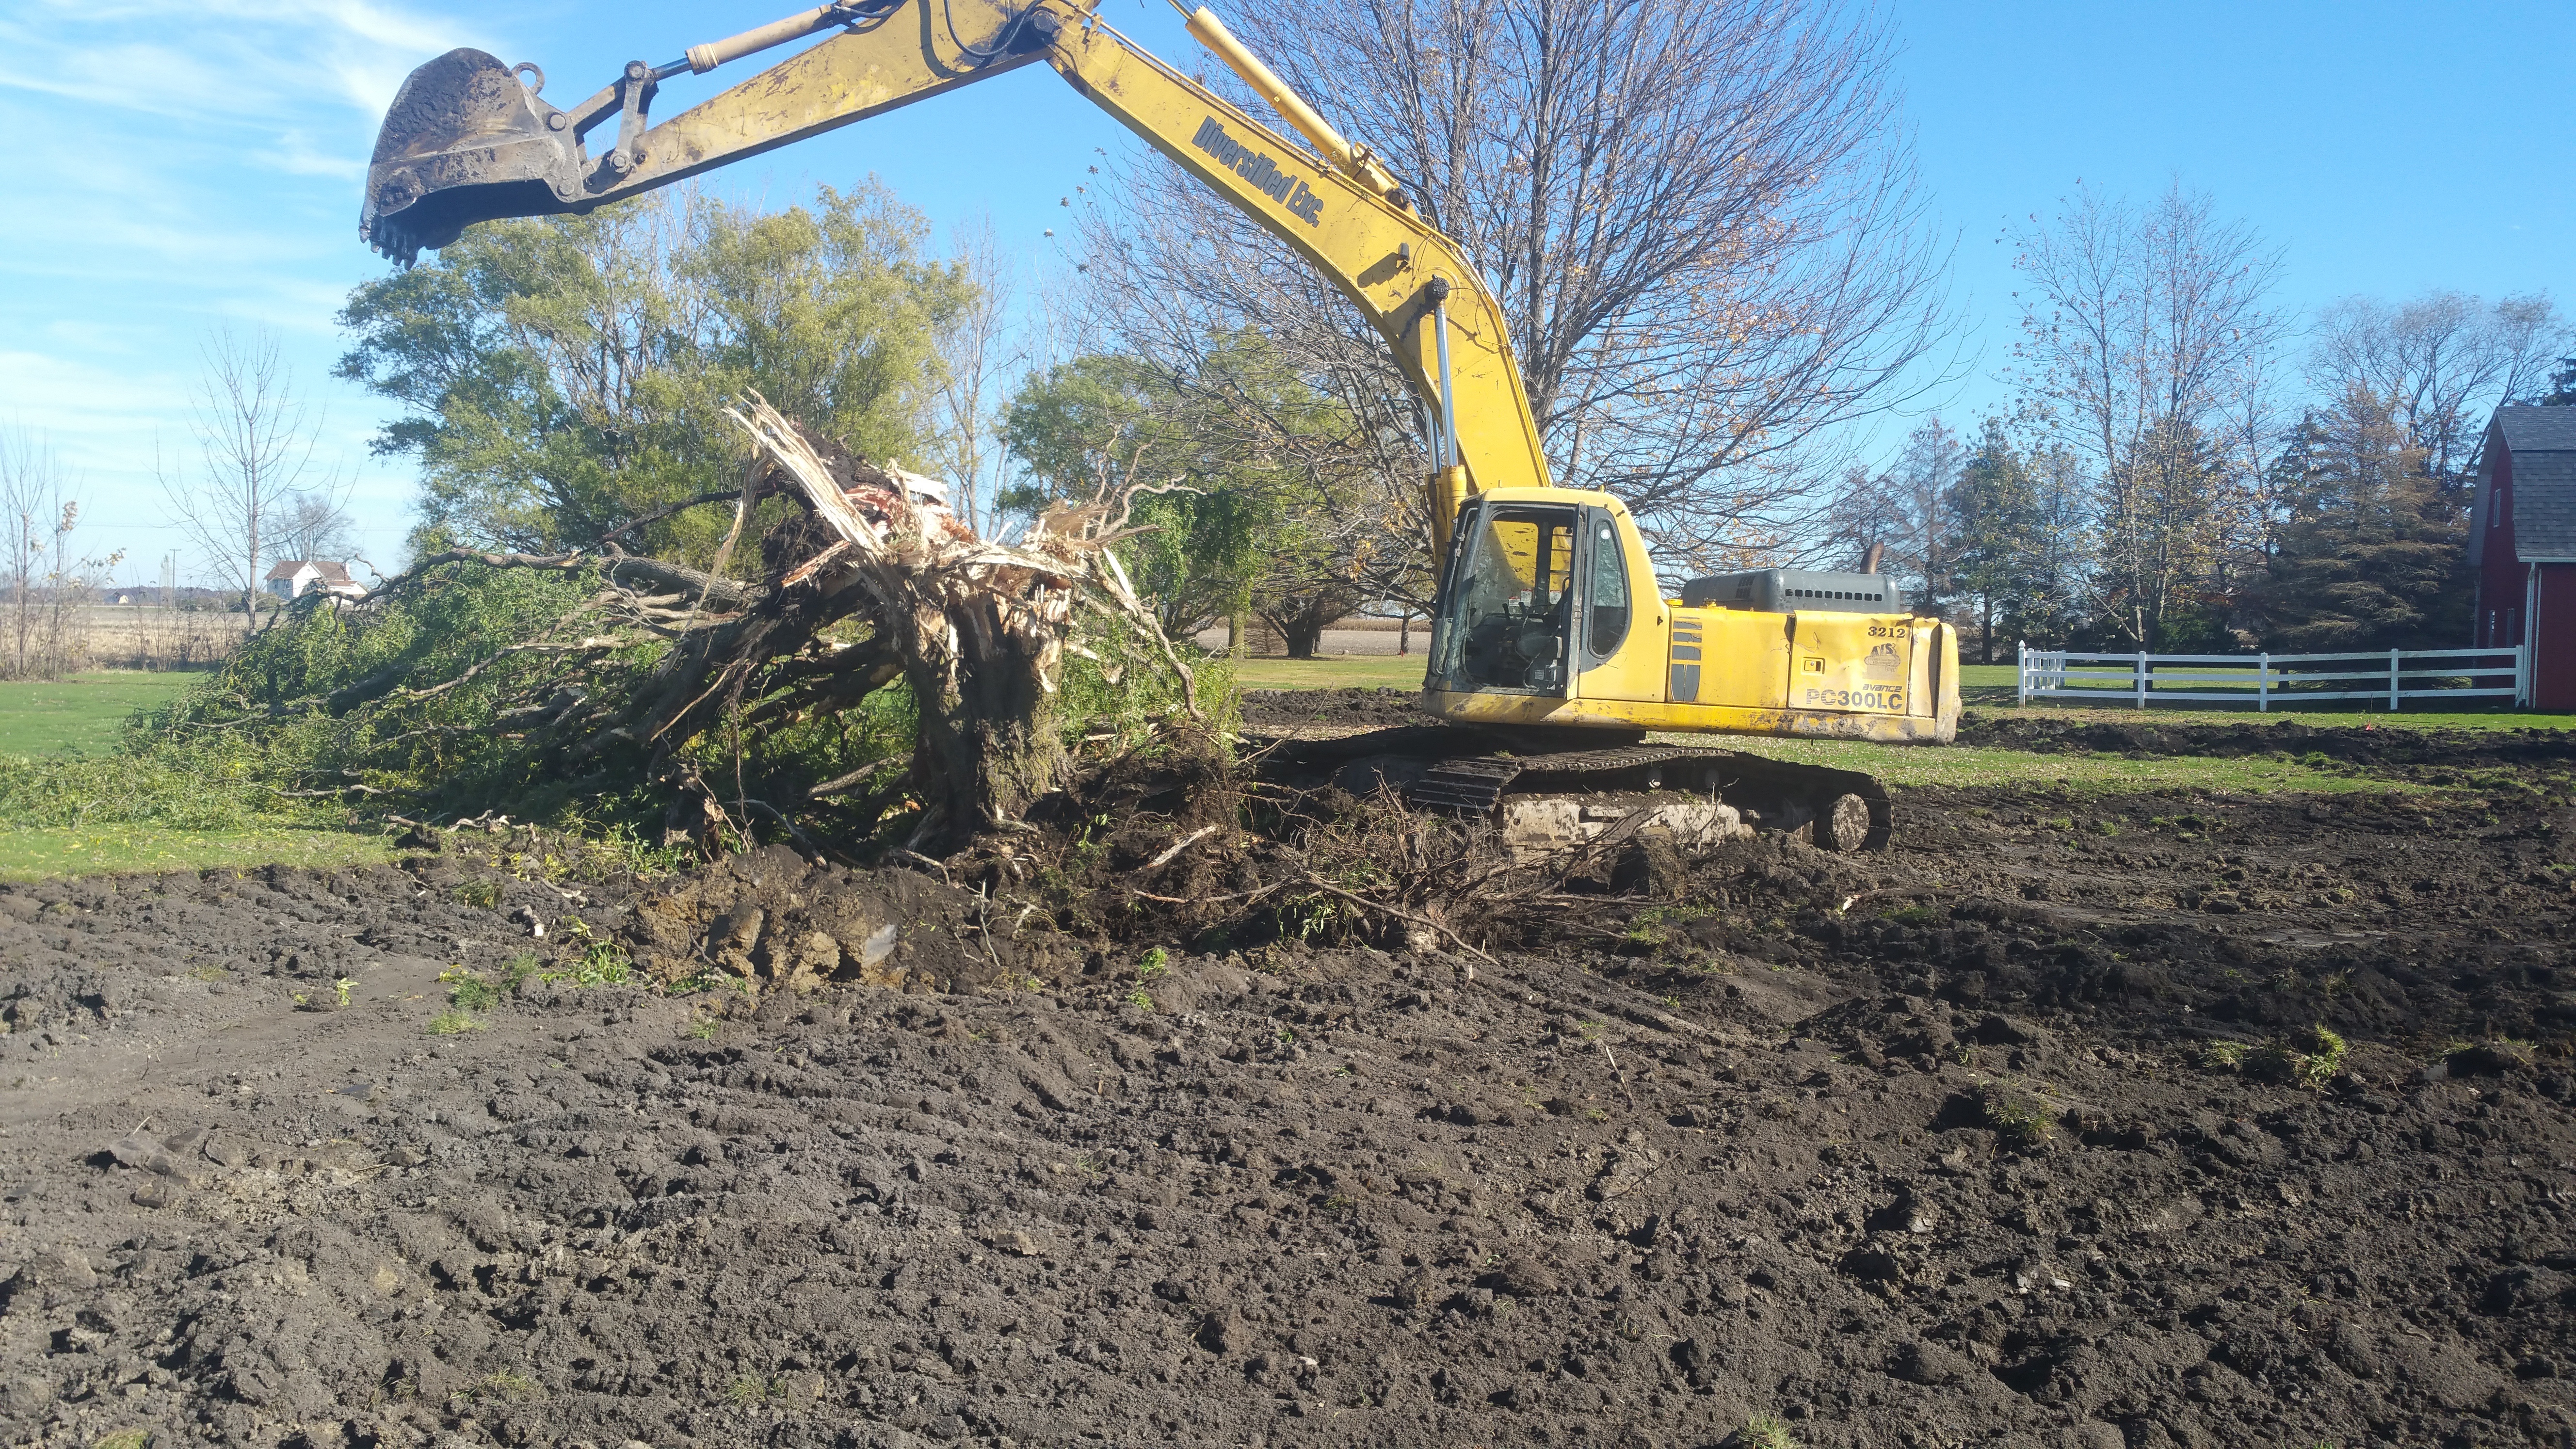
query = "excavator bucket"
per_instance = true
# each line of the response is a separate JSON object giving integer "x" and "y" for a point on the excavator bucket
{"x": 465, "y": 141}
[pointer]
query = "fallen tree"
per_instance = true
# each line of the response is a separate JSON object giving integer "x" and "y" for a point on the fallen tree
{"x": 884, "y": 674}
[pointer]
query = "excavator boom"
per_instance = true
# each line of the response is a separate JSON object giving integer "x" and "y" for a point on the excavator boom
{"x": 468, "y": 140}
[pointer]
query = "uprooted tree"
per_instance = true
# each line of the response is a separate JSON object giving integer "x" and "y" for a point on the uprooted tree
{"x": 883, "y": 659}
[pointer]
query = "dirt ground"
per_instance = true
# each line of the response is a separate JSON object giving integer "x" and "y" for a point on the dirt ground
{"x": 2021, "y": 1134}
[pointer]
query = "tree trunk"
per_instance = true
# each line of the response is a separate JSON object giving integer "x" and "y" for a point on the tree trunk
{"x": 1301, "y": 633}
{"x": 982, "y": 630}
{"x": 989, "y": 745}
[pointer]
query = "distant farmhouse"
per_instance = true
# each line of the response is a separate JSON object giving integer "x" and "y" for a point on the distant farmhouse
{"x": 295, "y": 577}
{"x": 2522, "y": 542}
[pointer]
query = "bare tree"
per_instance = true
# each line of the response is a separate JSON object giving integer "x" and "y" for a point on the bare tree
{"x": 313, "y": 523}
{"x": 1902, "y": 508}
{"x": 977, "y": 365}
{"x": 255, "y": 443}
{"x": 30, "y": 500}
{"x": 48, "y": 581}
{"x": 2149, "y": 339}
{"x": 2440, "y": 362}
{"x": 1700, "y": 219}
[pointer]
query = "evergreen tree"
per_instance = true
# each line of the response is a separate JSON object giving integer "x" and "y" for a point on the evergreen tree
{"x": 2371, "y": 553}
{"x": 2014, "y": 524}
{"x": 1992, "y": 514}
{"x": 2562, "y": 385}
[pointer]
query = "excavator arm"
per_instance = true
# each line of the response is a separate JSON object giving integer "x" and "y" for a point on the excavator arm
{"x": 468, "y": 140}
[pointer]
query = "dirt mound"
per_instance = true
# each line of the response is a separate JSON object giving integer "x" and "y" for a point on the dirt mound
{"x": 2366, "y": 745}
{"x": 2020, "y": 1134}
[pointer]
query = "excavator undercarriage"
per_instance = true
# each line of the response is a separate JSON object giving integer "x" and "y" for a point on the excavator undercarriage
{"x": 1550, "y": 791}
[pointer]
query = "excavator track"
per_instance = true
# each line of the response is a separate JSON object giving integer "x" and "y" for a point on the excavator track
{"x": 1480, "y": 774}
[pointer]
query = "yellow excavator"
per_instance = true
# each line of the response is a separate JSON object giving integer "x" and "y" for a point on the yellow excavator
{"x": 1553, "y": 642}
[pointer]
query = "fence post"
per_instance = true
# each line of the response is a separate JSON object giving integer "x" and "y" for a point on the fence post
{"x": 2021, "y": 671}
{"x": 2522, "y": 676}
{"x": 2263, "y": 683}
{"x": 2142, "y": 679}
{"x": 2392, "y": 681}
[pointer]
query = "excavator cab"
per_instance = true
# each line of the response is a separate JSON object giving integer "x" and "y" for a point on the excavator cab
{"x": 1512, "y": 604}
{"x": 1539, "y": 593}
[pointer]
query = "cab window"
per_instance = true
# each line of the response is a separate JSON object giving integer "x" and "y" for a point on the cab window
{"x": 1606, "y": 613}
{"x": 1511, "y": 617}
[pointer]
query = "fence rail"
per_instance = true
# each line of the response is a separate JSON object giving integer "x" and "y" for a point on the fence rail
{"x": 2262, "y": 680}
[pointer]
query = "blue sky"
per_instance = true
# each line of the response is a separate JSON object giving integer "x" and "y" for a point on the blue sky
{"x": 173, "y": 168}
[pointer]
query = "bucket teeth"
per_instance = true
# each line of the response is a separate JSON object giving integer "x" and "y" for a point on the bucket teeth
{"x": 463, "y": 142}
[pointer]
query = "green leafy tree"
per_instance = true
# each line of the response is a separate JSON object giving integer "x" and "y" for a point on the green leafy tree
{"x": 1263, "y": 503}
{"x": 560, "y": 376}
{"x": 1107, "y": 416}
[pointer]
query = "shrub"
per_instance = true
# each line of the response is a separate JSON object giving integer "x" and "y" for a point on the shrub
{"x": 1762, "y": 1432}
{"x": 2019, "y": 1121}
{"x": 2310, "y": 1059}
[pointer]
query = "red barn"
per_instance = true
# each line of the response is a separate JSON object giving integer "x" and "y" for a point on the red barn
{"x": 2522, "y": 542}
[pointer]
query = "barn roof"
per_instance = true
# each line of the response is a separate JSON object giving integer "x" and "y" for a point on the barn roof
{"x": 2542, "y": 442}
{"x": 2544, "y": 502}
{"x": 2537, "y": 430}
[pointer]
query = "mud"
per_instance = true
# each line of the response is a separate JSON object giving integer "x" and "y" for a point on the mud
{"x": 2021, "y": 1134}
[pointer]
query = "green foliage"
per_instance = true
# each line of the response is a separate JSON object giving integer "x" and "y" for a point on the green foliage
{"x": 2015, "y": 561}
{"x": 454, "y": 1021}
{"x": 468, "y": 990}
{"x": 328, "y": 700}
{"x": 2018, "y": 1120}
{"x": 2310, "y": 1059}
{"x": 1762, "y": 1431}
{"x": 411, "y": 700}
{"x": 2372, "y": 554}
{"x": 560, "y": 375}
{"x": 210, "y": 790}
{"x": 1269, "y": 506}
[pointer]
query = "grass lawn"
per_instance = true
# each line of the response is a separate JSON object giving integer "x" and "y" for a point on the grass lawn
{"x": 82, "y": 712}
{"x": 86, "y": 713}
{"x": 34, "y": 853}
{"x": 1969, "y": 766}
{"x": 1981, "y": 686}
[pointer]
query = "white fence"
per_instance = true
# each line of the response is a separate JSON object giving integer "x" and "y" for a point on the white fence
{"x": 2261, "y": 680}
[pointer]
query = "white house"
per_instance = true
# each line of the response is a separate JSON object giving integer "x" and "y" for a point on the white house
{"x": 295, "y": 577}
